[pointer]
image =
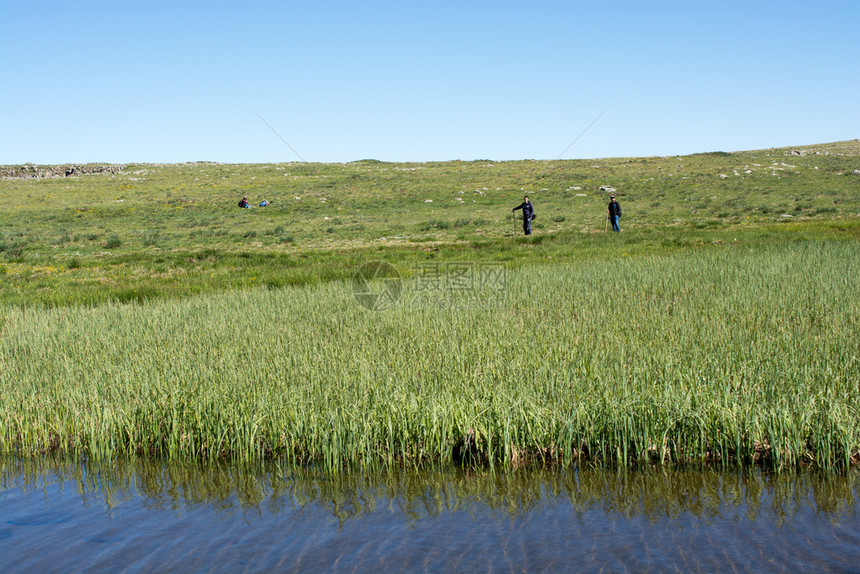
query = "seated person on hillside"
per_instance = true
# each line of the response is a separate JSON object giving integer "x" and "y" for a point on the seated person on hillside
{"x": 264, "y": 203}
{"x": 244, "y": 203}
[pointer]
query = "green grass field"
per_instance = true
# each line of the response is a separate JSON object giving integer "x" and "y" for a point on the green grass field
{"x": 145, "y": 314}
{"x": 151, "y": 231}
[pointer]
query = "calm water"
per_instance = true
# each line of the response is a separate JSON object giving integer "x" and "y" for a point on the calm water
{"x": 143, "y": 517}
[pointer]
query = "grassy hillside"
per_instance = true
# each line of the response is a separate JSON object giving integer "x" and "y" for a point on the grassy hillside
{"x": 720, "y": 327}
{"x": 137, "y": 232}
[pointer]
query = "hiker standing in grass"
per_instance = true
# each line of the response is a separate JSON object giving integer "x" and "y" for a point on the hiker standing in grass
{"x": 614, "y": 213}
{"x": 528, "y": 214}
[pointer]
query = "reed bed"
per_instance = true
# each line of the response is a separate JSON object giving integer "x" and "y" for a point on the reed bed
{"x": 726, "y": 356}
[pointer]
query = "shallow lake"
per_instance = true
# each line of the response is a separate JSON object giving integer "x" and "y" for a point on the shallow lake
{"x": 139, "y": 516}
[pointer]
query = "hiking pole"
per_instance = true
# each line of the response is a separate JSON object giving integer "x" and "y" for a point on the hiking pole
{"x": 605, "y": 223}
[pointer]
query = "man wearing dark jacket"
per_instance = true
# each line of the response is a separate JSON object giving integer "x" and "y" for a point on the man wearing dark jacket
{"x": 614, "y": 213}
{"x": 528, "y": 214}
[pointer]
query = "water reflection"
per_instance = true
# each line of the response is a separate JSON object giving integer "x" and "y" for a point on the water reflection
{"x": 127, "y": 515}
{"x": 653, "y": 493}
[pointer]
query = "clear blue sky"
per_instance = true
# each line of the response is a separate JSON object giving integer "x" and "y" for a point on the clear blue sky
{"x": 421, "y": 81}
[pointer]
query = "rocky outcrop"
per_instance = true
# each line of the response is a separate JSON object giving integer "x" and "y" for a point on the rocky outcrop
{"x": 30, "y": 171}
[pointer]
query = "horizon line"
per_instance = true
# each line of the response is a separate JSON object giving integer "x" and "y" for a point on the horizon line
{"x": 205, "y": 161}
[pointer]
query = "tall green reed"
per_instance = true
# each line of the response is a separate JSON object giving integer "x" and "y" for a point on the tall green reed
{"x": 731, "y": 356}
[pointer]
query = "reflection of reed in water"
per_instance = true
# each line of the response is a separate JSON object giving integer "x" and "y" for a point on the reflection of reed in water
{"x": 655, "y": 493}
